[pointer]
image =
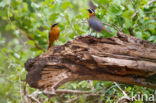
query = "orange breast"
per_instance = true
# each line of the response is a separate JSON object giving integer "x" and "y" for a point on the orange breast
{"x": 54, "y": 34}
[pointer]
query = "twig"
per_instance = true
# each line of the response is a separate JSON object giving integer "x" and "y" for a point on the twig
{"x": 20, "y": 87}
{"x": 87, "y": 95}
{"x": 131, "y": 31}
{"x": 30, "y": 38}
{"x": 134, "y": 6}
{"x": 91, "y": 84}
{"x": 150, "y": 2}
{"x": 125, "y": 95}
{"x": 32, "y": 96}
{"x": 72, "y": 91}
{"x": 36, "y": 93}
{"x": 33, "y": 99}
{"x": 73, "y": 99}
{"x": 113, "y": 26}
{"x": 135, "y": 13}
{"x": 120, "y": 88}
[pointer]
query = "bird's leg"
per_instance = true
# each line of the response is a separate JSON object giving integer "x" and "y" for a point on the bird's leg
{"x": 90, "y": 32}
{"x": 57, "y": 42}
{"x": 96, "y": 34}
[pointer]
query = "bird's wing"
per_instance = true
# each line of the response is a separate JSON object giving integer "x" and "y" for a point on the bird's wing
{"x": 49, "y": 36}
{"x": 95, "y": 24}
{"x": 101, "y": 25}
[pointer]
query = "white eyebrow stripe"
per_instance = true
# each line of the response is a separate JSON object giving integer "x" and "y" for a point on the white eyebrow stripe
{"x": 91, "y": 10}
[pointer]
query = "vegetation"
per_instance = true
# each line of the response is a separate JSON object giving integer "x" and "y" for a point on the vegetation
{"x": 24, "y": 27}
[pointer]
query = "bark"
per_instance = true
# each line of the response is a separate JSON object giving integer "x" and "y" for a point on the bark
{"x": 123, "y": 59}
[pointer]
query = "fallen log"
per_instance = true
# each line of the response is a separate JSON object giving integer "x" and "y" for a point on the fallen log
{"x": 123, "y": 59}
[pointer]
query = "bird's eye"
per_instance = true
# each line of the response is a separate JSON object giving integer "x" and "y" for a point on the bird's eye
{"x": 91, "y": 10}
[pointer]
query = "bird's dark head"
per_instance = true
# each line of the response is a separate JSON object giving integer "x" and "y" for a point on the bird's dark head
{"x": 91, "y": 12}
{"x": 54, "y": 25}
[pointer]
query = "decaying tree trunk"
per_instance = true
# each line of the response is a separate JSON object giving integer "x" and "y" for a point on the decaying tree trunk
{"x": 123, "y": 59}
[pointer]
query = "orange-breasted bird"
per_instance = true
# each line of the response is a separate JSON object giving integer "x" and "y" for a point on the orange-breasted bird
{"x": 95, "y": 23}
{"x": 53, "y": 34}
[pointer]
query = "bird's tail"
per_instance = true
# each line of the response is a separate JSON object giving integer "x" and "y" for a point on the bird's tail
{"x": 104, "y": 28}
{"x": 50, "y": 44}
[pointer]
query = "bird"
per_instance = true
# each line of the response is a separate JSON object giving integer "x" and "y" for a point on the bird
{"x": 53, "y": 34}
{"x": 95, "y": 23}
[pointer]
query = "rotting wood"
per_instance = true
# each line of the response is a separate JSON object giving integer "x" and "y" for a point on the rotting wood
{"x": 123, "y": 59}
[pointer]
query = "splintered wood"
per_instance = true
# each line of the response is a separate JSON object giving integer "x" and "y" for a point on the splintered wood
{"x": 51, "y": 76}
{"x": 124, "y": 59}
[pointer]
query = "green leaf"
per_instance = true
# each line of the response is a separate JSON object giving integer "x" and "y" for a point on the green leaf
{"x": 116, "y": 10}
{"x": 152, "y": 38}
{"x": 151, "y": 27}
{"x": 128, "y": 14}
{"x": 2, "y": 4}
{"x": 35, "y": 5}
{"x": 30, "y": 42}
{"x": 138, "y": 35}
{"x": 66, "y": 4}
{"x": 128, "y": 23}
